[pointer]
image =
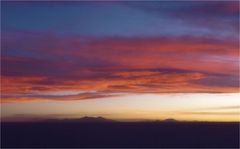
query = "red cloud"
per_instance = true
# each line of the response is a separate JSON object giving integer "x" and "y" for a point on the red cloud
{"x": 115, "y": 65}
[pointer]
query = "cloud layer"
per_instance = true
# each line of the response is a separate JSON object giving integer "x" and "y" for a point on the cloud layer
{"x": 40, "y": 65}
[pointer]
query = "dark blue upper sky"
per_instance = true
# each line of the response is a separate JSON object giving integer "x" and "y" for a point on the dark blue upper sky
{"x": 120, "y": 18}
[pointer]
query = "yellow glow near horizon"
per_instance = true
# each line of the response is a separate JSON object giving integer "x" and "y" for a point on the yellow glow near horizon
{"x": 180, "y": 106}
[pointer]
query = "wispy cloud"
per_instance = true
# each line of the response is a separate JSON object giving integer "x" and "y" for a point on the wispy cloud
{"x": 117, "y": 65}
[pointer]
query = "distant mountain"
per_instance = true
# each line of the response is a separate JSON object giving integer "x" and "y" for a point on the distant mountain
{"x": 88, "y": 119}
{"x": 85, "y": 119}
{"x": 93, "y": 119}
{"x": 170, "y": 120}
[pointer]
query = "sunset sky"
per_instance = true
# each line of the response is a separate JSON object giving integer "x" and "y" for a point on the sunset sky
{"x": 120, "y": 60}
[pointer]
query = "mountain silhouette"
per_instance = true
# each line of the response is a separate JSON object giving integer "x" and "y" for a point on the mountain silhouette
{"x": 170, "y": 120}
{"x": 85, "y": 119}
{"x": 93, "y": 119}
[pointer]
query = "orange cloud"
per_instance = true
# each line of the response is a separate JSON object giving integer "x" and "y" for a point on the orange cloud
{"x": 109, "y": 66}
{"x": 119, "y": 84}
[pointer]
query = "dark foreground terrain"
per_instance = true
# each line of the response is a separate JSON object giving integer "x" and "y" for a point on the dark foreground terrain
{"x": 116, "y": 134}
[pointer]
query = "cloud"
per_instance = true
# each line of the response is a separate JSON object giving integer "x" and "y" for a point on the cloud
{"x": 235, "y": 107}
{"x": 210, "y": 113}
{"x": 219, "y": 80}
{"x": 205, "y": 53}
{"x": 52, "y": 63}
{"x": 58, "y": 95}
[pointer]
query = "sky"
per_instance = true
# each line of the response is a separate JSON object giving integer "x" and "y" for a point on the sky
{"x": 123, "y": 60}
